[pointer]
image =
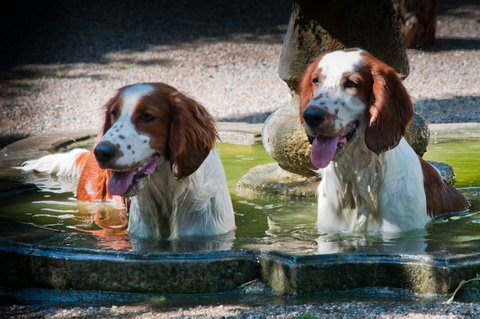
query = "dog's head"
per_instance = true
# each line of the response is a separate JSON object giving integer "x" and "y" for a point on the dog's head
{"x": 147, "y": 123}
{"x": 345, "y": 94}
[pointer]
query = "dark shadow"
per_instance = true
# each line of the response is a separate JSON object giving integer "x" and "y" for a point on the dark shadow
{"x": 457, "y": 109}
{"x": 12, "y": 89}
{"x": 251, "y": 118}
{"x": 457, "y": 8}
{"x": 446, "y": 44}
{"x": 6, "y": 139}
{"x": 46, "y": 32}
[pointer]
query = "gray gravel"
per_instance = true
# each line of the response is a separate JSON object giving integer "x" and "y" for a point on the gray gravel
{"x": 445, "y": 82}
{"x": 348, "y": 310}
{"x": 59, "y": 76}
{"x": 62, "y": 60}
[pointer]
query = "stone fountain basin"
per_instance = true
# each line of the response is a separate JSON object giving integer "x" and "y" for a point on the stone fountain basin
{"x": 32, "y": 257}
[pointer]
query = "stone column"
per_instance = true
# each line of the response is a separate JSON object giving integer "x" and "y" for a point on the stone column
{"x": 317, "y": 27}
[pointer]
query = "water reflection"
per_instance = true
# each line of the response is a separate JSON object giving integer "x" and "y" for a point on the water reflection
{"x": 107, "y": 222}
{"x": 214, "y": 243}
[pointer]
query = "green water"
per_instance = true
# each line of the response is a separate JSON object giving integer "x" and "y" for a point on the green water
{"x": 273, "y": 223}
{"x": 462, "y": 155}
{"x": 265, "y": 220}
{"x": 238, "y": 159}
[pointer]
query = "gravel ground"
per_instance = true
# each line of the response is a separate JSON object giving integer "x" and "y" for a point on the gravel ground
{"x": 348, "y": 310}
{"x": 62, "y": 60}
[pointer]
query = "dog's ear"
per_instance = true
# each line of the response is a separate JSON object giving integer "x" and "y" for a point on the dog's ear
{"x": 390, "y": 110}
{"x": 108, "y": 108}
{"x": 306, "y": 89}
{"x": 192, "y": 135}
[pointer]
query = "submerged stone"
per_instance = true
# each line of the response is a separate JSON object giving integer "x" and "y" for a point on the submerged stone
{"x": 270, "y": 179}
{"x": 418, "y": 134}
{"x": 446, "y": 171}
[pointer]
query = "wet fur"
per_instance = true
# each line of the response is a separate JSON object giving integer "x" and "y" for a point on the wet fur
{"x": 378, "y": 182}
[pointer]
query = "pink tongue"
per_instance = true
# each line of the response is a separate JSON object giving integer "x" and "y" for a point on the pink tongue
{"x": 119, "y": 182}
{"x": 323, "y": 150}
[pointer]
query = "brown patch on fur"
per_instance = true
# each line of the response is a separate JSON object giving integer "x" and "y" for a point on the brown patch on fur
{"x": 306, "y": 89}
{"x": 156, "y": 104}
{"x": 93, "y": 179}
{"x": 112, "y": 105}
{"x": 391, "y": 109}
{"x": 364, "y": 81}
{"x": 441, "y": 197}
{"x": 192, "y": 135}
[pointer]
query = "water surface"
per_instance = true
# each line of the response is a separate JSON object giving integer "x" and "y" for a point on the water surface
{"x": 274, "y": 223}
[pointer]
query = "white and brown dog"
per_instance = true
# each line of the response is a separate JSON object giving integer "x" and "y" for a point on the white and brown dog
{"x": 355, "y": 111}
{"x": 157, "y": 149}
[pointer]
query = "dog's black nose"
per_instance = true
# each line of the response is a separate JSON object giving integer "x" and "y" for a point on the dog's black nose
{"x": 314, "y": 116}
{"x": 105, "y": 152}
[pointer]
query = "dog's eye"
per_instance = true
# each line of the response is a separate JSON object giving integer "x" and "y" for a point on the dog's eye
{"x": 113, "y": 114}
{"x": 147, "y": 117}
{"x": 315, "y": 81}
{"x": 349, "y": 84}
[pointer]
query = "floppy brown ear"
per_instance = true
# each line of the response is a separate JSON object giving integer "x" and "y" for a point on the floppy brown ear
{"x": 306, "y": 88}
{"x": 192, "y": 135}
{"x": 390, "y": 109}
{"x": 107, "y": 123}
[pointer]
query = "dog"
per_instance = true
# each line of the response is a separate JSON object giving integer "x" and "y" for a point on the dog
{"x": 156, "y": 149}
{"x": 355, "y": 111}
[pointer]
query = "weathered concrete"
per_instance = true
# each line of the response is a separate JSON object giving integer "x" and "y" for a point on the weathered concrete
{"x": 317, "y": 28}
{"x": 288, "y": 274}
{"x": 26, "y": 263}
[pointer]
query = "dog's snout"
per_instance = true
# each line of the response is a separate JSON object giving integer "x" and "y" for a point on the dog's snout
{"x": 314, "y": 116}
{"x": 105, "y": 152}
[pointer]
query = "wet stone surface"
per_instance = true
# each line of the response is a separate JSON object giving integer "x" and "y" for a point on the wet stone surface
{"x": 25, "y": 263}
